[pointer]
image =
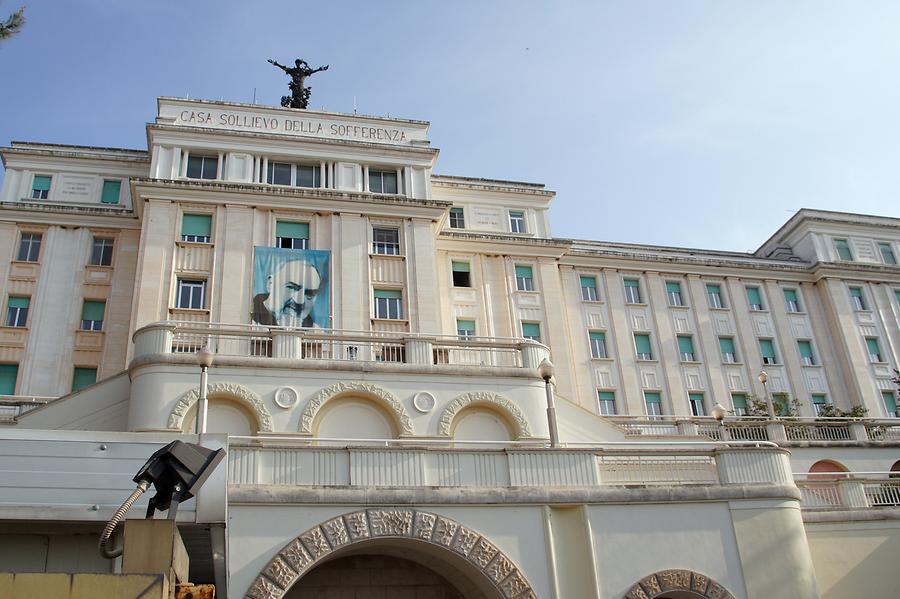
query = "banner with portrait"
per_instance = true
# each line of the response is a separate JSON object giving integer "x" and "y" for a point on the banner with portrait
{"x": 291, "y": 287}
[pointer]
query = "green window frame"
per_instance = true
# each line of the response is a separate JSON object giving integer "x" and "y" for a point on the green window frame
{"x": 858, "y": 299}
{"x": 754, "y": 298}
{"x": 632, "y": 291}
{"x": 291, "y": 235}
{"x": 196, "y": 228}
{"x": 40, "y": 187}
{"x": 83, "y": 377}
{"x": 465, "y": 328}
{"x": 388, "y": 304}
{"x": 92, "y": 315}
{"x": 874, "y": 350}
{"x": 887, "y": 253}
{"x": 9, "y": 374}
{"x": 714, "y": 294}
{"x": 807, "y": 357}
{"x": 792, "y": 301}
{"x": 653, "y": 403}
{"x": 643, "y": 347}
{"x": 17, "y": 311}
{"x": 739, "y": 403}
{"x": 888, "y": 399}
{"x": 524, "y": 278}
{"x": 112, "y": 190}
{"x": 673, "y": 293}
{"x": 589, "y": 288}
{"x": 819, "y": 401}
{"x": 843, "y": 250}
{"x": 767, "y": 350}
{"x": 697, "y": 406}
{"x": 598, "y": 344}
{"x": 726, "y": 348}
{"x": 607, "y": 402}
{"x": 686, "y": 348}
{"x": 461, "y": 273}
{"x": 531, "y": 330}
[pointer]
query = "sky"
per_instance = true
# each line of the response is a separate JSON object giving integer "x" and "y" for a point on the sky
{"x": 688, "y": 123}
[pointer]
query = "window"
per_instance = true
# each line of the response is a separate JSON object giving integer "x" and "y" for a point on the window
{"x": 386, "y": 241}
{"x": 524, "y": 278}
{"x": 191, "y": 294}
{"x": 196, "y": 227}
{"x": 714, "y": 294}
{"x": 202, "y": 167}
{"x": 8, "y": 375}
{"x": 887, "y": 253}
{"x": 17, "y": 312}
{"x": 858, "y": 299}
{"x": 382, "y": 181}
{"x": 806, "y": 353}
{"x": 780, "y": 403}
{"x": 457, "y": 218}
{"x": 279, "y": 173}
{"x": 598, "y": 344}
{"x": 465, "y": 328}
{"x": 843, "y": 249}
{"x": 696, "y": 401}
{"x": 607, "y": 401}
{"x": 754, "y": 298}
{"x": 307, "y": 175}
{"x": 632, "y": 291}
{"x": 40, "y": 187}
{"x": 653, "y": 401}
{"x": 92, "y": 315}
{"x": 29, "y": 247}
{"x": 819, "y": 401}
{"x": 101, "y": 252}
{"x": 686, "y": 348}
{"x": 531, "y": 330}
{"x": 589, "y": 289}
{"x": 83, "y": 377}
{"x": 739, "y": 401}
{"x": 874, "y": 349}
{"x": 673, "y": 293}
{"x": 887, "y": 398}
{"x": 294, "y": 236}
{"x": 516, "y": 221}
{"x": 726, "y": 347}
{"x": 461, "y": 276}
{"x": 792, "y": 302}
{"x": 388, "y": 304}
{"x": 767, "y": 349}
{"x": 112, "y": 189}
{"x": 642, "y": 347}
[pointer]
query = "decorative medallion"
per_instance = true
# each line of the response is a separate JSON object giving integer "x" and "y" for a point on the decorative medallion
{"x": 424, "y": 401}
{"x": 285, "y": 397}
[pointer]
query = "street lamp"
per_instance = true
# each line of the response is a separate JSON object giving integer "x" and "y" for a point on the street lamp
{"x": 764, "y": 378}
{"x": 205, "y": 360}
{"x": 719, "y": 412}
{"x": 545, "y": 370}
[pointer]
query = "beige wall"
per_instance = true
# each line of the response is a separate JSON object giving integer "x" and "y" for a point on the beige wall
{"x": 855, "y": 559}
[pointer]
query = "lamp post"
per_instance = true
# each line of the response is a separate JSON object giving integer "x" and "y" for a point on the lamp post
{"x": 205, "y": 360}
{"x": 764, "y": 378}
{"x": 718, "y": 412}
{"x": 545, "y": 370}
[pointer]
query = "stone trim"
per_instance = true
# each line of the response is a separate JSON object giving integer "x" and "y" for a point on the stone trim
{"x": 678, "y": 580}
{"x": 233, "y": 390}
{"x": 484, "y": 398}
{"x": 379, "y": 394}
{"x": 320, "y": 542}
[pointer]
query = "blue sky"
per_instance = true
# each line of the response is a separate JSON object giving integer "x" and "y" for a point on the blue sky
{"x": 687, "y": 123}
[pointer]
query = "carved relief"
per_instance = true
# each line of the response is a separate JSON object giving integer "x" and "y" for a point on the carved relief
{"x": 318, "y": 543}
{"x": 381, "y": 395}
{"x": 497, "y": 402}
{"x": 234, "y": 391}
{"x": 677, "y": 580}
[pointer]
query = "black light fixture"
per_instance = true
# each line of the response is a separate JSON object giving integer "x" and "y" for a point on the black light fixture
{"x": 177, "y": 471}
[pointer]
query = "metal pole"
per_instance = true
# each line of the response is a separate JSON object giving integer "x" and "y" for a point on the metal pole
{"x": 203, "y": 404}
{"x": 769, "y": 405}
{"x": 551, "y": 414}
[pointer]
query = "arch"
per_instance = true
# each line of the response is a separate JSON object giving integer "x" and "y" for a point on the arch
{"x": 827, "y": 470}
{"x": 382, "y": 396}
{"x": 344, "y": 533}
{"x": 678, "y": 583}
{"x": 484, "y": 398}
{"x": 234, "y": 391}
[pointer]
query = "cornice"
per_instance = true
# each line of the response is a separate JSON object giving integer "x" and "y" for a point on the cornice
{"x": 62, "y": 214}
{"x": 491, "y": 185}
{"x": 73, "y": 154}
{"x": 507, "y": 244}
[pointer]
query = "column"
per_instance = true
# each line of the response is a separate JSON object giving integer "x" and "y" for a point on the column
{"x": 629, "y": 386}
{"x": 675, "y": 395}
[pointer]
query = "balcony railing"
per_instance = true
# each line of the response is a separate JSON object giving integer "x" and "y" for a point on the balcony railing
{"x": 417, "y": 462}
{"x": 13, "y": 406}
{"x": 849, "y": 490}
{"x": 338, "y": 345}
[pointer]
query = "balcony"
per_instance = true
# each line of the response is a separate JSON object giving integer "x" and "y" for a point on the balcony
{"x": 849, "y": 490}
{"x": 338, "y": 346}
{"x": 13, "y": 406}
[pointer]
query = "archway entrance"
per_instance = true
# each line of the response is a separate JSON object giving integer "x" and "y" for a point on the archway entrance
{"x": 439, "y": 551}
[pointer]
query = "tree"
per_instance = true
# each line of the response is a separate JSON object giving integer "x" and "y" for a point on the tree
{"x": 785, "y": 406}
{"x": 13, "y": 24}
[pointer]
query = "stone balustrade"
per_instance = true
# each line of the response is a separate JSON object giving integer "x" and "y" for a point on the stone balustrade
{"x": 849, "y": 490}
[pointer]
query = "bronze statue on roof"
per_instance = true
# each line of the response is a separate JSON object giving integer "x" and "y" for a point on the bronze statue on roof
{"x": 299, "y": 97}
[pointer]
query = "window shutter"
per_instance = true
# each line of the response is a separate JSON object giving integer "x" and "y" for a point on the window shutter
{"x": 606, "y": 395}
{"x": 41, "y": 182}
{"x": 83, "y": 377}
{"x": 753, "y": 296}
{"x": 388, "y": 293}
{"x": 92, "y": 310}
{"x": 713, "y": 289}
{"x": 642, "y": 344}
{"x": 460, "y": 266}
{"x": 597, "y": 336}
{"x": 685, "y": 345}
{"x": 873, "y": 346}
{"x": 8, "y": 375}
{"x": 465, "y": 325}
{"x": 111, "y": 191}
{"x": 652, "y": 397}
{"x": 855, "y": 292}
{"x": 790, "y": 295}
{"x": 726, "y": 345}
{"x": 590, "y": 282}
{"x": 766, "y": 348}
{"x": 196, "y": 224}
{"x": 631, "y": 283}
{"x": 290, "y": 230}
{"x": 673, "y": 287}
{"x": 531, "y": 329}
{"x": 18, "y": 302}
{"x": 890, "y": 402}
{"x": 805, "y": 349}
{"x": 524, "y": 271}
